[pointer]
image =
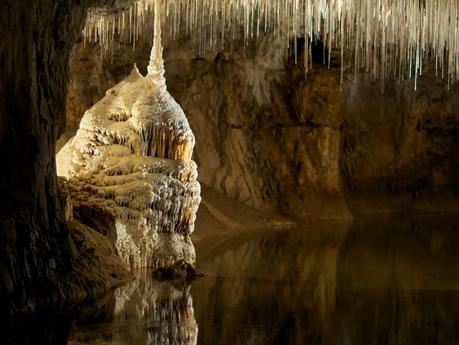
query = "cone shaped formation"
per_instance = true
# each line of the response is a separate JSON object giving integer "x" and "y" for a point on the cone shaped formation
{"x": 132, "y": 157}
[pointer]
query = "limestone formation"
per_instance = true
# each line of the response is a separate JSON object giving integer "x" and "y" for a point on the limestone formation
{"x": 132, "y": 157}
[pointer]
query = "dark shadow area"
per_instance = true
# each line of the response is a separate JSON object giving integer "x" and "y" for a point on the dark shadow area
{"x": 40, "y": 328}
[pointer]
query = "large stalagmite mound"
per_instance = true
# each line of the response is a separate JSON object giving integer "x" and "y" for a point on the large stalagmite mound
{"x": 132, "y": 157}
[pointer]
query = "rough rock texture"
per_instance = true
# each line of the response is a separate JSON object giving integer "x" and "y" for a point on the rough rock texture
{"x": 36, "y": 40}
{"x": 33, "y": 73}
{"x": 96, "y": 265}
{"x": 131, "y": 157}
{"x": 274, "y": 140}
{"x": 97, "y": 268}
{"x": 398, "y": 151}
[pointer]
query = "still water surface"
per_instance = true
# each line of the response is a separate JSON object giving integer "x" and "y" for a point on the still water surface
{"x": 371, "y": 282}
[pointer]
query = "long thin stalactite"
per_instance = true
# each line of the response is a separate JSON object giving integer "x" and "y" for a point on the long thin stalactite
{"x": 390, "y": 39}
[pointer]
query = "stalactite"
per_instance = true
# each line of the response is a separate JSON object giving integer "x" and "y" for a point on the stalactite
{"x": 390, "y": 39}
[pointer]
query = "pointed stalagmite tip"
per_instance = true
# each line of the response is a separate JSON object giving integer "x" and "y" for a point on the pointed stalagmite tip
{"x": 135, "y": 69}
{"x": 134, "y": 72}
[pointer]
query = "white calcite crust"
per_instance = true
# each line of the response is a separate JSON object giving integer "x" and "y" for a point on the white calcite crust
{"x": 132, "y": 157}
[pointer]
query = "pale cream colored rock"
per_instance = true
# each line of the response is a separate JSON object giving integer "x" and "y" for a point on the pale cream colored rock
{"x": 132, "y": 157}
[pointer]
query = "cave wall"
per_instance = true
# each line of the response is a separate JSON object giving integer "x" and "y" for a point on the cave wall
{"x": 277, "y": 141}
{"x": 37, "y": 37}
{"x": 399, "y": 147}
{"x": 36, "y": 40}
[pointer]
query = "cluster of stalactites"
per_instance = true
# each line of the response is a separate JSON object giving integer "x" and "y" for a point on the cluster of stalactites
{"x": 387, "y": 38}
{"x": 165, "y": 142}
{"x": 153, "y": 139}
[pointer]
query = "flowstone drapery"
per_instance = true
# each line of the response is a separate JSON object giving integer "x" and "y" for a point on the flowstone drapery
{"x": 132, "y": 157}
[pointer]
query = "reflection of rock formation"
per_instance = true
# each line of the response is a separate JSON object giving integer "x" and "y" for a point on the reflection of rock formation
{"x": 156, "y": 313}
{"x": 146, "y": 311}
{"x": 380, "y": 282}
{"x": 275, "y": 287}
{"x": 398, "y": 282}
{"x": 132, "y": 157}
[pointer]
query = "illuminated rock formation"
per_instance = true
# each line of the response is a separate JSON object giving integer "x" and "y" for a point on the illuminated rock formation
{"x": 132, "y": 157}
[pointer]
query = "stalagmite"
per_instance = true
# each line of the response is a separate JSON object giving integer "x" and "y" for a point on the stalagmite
{"x": 132, "y": 157}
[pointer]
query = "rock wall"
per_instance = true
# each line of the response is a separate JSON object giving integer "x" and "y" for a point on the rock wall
{"x": 398, "y": 148}
{"x": 37, "y": 37}
{"x": 33, "y": 74}
{"x": 276, "y": 141}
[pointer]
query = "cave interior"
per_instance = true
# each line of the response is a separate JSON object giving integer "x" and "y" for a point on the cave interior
{"x": 229, "y": 172}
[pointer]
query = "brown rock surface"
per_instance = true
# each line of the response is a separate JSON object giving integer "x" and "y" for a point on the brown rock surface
{"x": 270, "y": 138}
{"x": 398, "y": 150}
{"x": 36, "y": 40}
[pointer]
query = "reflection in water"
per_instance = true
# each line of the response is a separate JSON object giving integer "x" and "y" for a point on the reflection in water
{"x": 276, "y": 288}
{"x": 375, "y": 282}
{"x": 145, "y": 311}
{"x": 398, "y": 283}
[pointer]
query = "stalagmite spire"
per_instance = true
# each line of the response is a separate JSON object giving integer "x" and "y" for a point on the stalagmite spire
{"x": 156, "y": 65}
{"x": 132, "y": 157}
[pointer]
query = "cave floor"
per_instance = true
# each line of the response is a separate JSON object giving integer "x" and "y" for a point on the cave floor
{"x": 372, "y": 281}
